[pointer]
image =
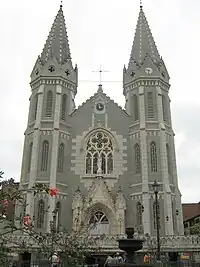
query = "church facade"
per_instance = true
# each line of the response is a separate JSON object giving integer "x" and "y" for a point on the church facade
{"x": 103, "y": 159}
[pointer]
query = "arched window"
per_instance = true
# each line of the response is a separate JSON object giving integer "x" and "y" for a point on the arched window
{"x": 150, "y": 106}
{"x": 98, "y": 224}
{"x": 61, "y": 153}
{"x": 40, "y": 214}
{"x": 49, "y": 104}
{"x": 30, "y": 156}
{"x": 153, "y": 154}
{"x": 63, "y": 107}
{"x": 154, "y": 214}
{"x": 168, "y": 158}
{"x": 58, "y": 210}
{"x": 137, "y": 158}
{"x": 139, "y": 210}
{"x": 45, "y": 155}
{"x": 35, "y": 107}
{"x": 99, "y": 154}
{"x": 135, "y": 107}
{"x": 164, "y": 108}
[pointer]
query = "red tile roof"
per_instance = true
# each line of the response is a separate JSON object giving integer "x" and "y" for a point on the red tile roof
{"x": 190, "y": 210}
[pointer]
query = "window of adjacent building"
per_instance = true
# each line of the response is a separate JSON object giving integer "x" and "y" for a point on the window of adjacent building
{"x": 40, "y": 214}
{"x": 153, "y": 156}
{"x": 168, "y": 158}
{"x": 49, "y": 104}
{"x": 45, "y": 155}
{"x": 99, "y": 153}
{"x": 61, "y": 152}
{"x": 99, "y": 224}
{"x": 30, "y": 156}
{"x": 137, "y": 158}
{"x": 150, "y": 106}
{"x": 154, "y": 214}
{"x": 139, "y": 213}
{"x": 63, "y": 107}
{"x": 164, "y": 108}
{"x": 135, "y": 107}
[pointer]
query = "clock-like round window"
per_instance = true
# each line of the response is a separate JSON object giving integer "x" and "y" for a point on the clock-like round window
{"x": 100, "y": 106}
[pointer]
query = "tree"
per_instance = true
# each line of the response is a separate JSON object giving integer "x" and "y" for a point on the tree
{"x": 195, "y": 229}
{"x": 23, "y": 235}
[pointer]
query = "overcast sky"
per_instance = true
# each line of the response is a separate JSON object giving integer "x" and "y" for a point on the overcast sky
{"x": 101, "y": 32}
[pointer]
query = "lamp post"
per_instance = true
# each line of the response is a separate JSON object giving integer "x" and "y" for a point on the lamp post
{"x": 156, "y": 187}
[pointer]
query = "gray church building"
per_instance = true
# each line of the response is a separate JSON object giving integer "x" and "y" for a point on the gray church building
{"x": 103, "y": 159}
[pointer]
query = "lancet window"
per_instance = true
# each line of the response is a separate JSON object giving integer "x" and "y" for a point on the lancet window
{"x": 99, "y": 154}
{"x": 154, "y": 214}
{"x": 63, "y": 107}
{"x": 98, "y": 224}
{"x": 30, "y": 156}
{"x": 139, "y": 210}
{"x": 40, "y": 214}
{"x": 153, "y": 154}
{"x": 49, "y": 104}
{"x": 45, "y": 155}
{"x": 150, "y": 106}
{"x": 137, "y": 158}
{"x": 135, "y": 107}
{"x": 61, "y": 152}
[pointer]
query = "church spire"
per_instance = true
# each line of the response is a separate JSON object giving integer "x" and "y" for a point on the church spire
{"x": 143, "y": 42}
{"x": 57, "y": 45}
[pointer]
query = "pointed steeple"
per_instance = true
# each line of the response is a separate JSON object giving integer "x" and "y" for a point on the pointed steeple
{"x": 143, "y": 42}
{"x": 57, "y": 45}
{"x": 145, "y": 60}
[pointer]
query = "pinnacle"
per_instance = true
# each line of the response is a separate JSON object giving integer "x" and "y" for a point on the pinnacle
{"x": 57, "y": 45}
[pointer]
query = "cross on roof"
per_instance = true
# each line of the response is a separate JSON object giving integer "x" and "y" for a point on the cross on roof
{"x": 100, "y": 73}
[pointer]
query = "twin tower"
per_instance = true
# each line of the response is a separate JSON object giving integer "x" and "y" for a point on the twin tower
{"x": 103, "y": 159}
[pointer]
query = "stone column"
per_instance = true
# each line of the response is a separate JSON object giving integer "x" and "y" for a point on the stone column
{"x": 54, "y": 153}
{"x": 35, "y": 151}
{"x": 164, "y": 167}
{"x": 144, "y": 164}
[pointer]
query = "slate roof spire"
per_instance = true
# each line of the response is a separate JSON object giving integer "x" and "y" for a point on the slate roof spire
{"x": 57, "y": 45}
{"x": 143, "y": 41}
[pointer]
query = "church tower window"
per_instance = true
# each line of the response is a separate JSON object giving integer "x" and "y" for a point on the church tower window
{"x": 168, "y": 158}
{"x": 49, "y": 104}
{"x": 164, "y": 108}
{"x": 137, "y": 158}
{"x": 63, "y": 107}
{"x": 135, "y": 107}
{"x": 40, "y": 214}
{"x": 35, "y": 107}
{"x": 58, "y": 209}
{"x": 153, "y": 154}
{"x": 139, "y": 213}
{"x": 99, "y": 224}
{"x": 61, "y": 151}
{"x": 99, "y": 154}
{"x": 150, "y": 106}
{"x": 45, "y": 155}
{"x": 154, "y": 215}
{"x": 30, "y": 156}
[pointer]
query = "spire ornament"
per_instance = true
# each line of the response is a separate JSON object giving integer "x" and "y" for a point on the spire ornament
{"x": 61, "y": 3}
{"x": 141, "y": 5}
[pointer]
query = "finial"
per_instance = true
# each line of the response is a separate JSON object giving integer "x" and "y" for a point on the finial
{"x": 61, "y": 2}
{"x": 100, "y": 89}
{"x": 141, "y": 4}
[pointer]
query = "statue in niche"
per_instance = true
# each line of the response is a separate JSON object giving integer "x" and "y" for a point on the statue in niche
{"x": 99, "y": 164}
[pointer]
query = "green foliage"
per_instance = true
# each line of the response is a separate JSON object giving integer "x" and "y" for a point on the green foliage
{"x": 195, "y": 230}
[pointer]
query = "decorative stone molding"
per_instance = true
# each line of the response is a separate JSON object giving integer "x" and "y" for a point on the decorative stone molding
{"x": 78, "y": 154}
{"x": 46, "y": 132}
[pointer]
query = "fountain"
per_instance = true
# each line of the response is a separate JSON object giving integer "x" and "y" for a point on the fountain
{"x": 130, "y": 245}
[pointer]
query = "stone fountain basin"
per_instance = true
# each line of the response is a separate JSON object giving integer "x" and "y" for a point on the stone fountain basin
{"x": 130, "y": 244}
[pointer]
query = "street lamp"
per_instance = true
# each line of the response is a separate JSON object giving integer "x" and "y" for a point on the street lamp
{"x": 53, "y": 228}
{"x": 156, "y": 187}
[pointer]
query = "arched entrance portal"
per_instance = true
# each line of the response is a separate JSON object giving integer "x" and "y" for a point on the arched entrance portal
{"x": 99, "y": 224}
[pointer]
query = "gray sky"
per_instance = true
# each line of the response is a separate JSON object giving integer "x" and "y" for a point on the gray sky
{"x": 101, "y": 32}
